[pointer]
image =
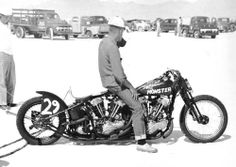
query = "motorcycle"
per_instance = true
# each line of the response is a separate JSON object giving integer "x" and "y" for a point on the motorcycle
{"x": 43, "y": 120}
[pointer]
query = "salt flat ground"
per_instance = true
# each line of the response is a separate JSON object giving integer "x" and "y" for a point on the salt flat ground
{"x": 55, "y": 66}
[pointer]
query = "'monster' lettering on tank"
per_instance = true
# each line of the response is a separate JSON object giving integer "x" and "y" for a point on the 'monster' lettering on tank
{"x": 159, "y": 91}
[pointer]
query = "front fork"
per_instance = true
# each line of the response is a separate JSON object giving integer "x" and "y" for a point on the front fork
{"x": 194, "y": 110}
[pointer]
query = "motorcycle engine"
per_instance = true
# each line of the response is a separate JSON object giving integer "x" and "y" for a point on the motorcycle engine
{"x": 157, "y": 116}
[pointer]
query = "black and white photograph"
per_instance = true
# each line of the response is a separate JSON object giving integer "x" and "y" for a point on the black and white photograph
{"x": 117, "y": 83}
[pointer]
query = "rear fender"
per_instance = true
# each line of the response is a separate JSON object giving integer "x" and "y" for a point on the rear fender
{"x": 52, "y": 101}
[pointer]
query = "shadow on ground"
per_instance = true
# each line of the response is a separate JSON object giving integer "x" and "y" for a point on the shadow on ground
{"x": 172, "y": 139}
{"x": 3, "y": 163}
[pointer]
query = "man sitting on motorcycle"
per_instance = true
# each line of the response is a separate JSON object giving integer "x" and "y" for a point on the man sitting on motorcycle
{"x": 114, "y": 79}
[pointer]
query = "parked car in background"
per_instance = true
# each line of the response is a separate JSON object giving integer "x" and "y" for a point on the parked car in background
{"x": 168, "y": 24}
{"x": 139, "y": 25}
{"x": 38, "y": 22}
{"x": 90, "y": 26}
{"x": 198, "y": 26}
{"x": 223, "y": 24}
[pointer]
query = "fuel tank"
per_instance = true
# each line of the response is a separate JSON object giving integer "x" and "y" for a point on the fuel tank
{"x": 158, "y": 86}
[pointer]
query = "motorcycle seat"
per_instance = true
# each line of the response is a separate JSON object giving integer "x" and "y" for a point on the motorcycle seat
{"x": 82, "y": 99}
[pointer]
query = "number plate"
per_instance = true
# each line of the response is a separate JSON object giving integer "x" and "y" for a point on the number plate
{"x": 50, "y": 105}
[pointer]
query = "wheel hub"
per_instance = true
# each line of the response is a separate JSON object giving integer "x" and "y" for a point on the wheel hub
{"x": 204, "y": 119}
{"x": 39, "y": 121}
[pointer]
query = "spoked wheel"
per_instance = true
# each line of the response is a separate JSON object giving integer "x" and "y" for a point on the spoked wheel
{"x": 33, "y": 124}
{"x": 213, "y": 121}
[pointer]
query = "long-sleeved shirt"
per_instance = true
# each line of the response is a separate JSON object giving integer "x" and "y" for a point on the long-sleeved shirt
{"x": 5, "y": 39}
{"x": 109, "y": 62}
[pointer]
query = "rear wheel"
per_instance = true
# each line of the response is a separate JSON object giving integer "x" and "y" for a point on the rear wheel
{"x": 20, "y": 32}
{"x": 213, "y": 124}
{"x": 32, "y": 123}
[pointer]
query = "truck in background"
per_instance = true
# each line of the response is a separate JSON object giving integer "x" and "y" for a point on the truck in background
{"x": 198, "y": 26}
{"x": 224, "y": 24}
{"x": 38, "y": 22}
{"x": 89, "y": 26}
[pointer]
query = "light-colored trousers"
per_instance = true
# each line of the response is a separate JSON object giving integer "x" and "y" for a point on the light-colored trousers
{"x": 7, "y": 78}
{"x": 137, "y": 113}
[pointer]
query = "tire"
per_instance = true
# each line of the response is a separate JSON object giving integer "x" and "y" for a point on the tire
{"x": 213, "y": 36}
{"x": 38, "y": 35}
{"x": 100, "y": 36}
{"x": 197, "y": 34}
{"x": 185, "y": 33}
{"x": 89, "y": 34}
{"x": 28, "y": 114}
{"x": 67, "y": 37}
{"x": 20, "y": 32}
{"x": 75, "y": 36}
{"x": 232, "y": 28}
{"x": 186, "y": 119}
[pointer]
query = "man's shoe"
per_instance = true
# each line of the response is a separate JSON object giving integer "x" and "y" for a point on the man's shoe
{"x": 146, "y": 148}
{"x": 11, "y": 104}
{"x": 3, "y": 107}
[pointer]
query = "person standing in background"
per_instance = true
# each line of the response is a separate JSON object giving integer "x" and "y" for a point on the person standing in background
{"x": 7, "y": 66}
{"x": 158, "y": 27}
{"x": 179, "y": 24}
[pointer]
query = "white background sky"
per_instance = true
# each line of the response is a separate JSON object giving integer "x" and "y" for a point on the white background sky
{"x": 149, "y": 10}
{"x": 150, "y": 1}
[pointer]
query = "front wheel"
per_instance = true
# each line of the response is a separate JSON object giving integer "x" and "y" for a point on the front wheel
{"x": 197, "y": 34}
{"x": 20, "y": 32}
{"x": 214, "y": 120}
{"x": 32, "y": 123}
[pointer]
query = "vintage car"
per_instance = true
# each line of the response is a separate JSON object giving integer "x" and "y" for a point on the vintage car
{"x": 90, "y": 26}
{"x": 139, "y": 25}
{"x": 168, "y": 24}
{"x": 198, "y": 26}
{"x": 223, "y": 24}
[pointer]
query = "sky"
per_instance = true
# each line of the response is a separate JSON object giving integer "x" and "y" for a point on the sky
{"x": 150, "y": 1}
{"x": 145, "y": 9}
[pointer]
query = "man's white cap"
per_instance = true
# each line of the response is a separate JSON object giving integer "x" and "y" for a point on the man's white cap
{"x": 117, "y": 21}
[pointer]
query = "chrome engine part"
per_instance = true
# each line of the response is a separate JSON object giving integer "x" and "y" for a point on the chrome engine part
{"x": 80, "y": 130}
{"x": 98, "y": 103}
{"x": 153, "y": 126}
{"x": 164, "y": 100}
{"x": 109, "y": 126}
